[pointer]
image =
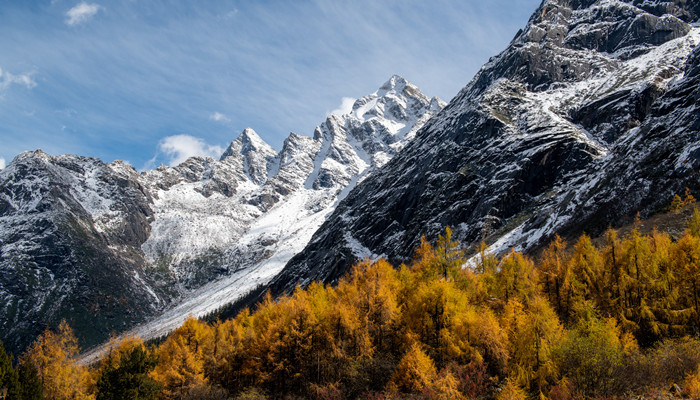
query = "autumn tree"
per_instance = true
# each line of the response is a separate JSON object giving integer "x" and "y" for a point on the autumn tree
{"x": 686, "y": 260}
{"x": 53, "y": 355}
{"x": 450, "y": 257}
{"x": 517, "y": 278}
{"x": 554, "y": 273}
{"x": 533, "y": 332}
{"x": 180, "y": 367}
{"x": 415, "y": 371}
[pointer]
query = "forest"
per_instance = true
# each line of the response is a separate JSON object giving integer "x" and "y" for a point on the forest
{"x": 610, "y": 318}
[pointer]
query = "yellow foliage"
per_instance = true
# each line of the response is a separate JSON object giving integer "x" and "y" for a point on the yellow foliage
{"x": 53, "y": 355}
{"x": 688, "y": 198}
{"x": 676, "y": 203}
{"x": 517, "y": 277}
{"x": 511, "y": 391}
{"x": 180, "y": 366}
{"x": 388, "y": 330}
{"x": 118, "y": 348}
{"x": 445, "y": 387}
{"x": 534, "y": 331}
{"x": 691, "y": 385}
{"x": 415, "y": 371}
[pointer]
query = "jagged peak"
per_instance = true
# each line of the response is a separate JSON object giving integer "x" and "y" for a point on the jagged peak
{"x": 396, "y": 83}
{"x": 246, "y": 142}
{"x": 31, "y": 156}
{"x": 295, "y": 137}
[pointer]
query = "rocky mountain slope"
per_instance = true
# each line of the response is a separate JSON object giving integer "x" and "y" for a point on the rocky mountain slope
{"x": 587, "y": 118}
{"x": 166, "y": 243}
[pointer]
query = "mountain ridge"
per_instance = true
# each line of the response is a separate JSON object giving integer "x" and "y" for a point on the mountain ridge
{"x": 226, "y": 225}
{"x": 524, "y": 150}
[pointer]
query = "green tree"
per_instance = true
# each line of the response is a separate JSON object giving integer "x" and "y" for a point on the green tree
{"x": 593, "y": 353}
{"x": 29, "y": 383}
{"x": 128, "y": 379}
{"x": 8, "y": 375}
{"x": 450, "y": 257}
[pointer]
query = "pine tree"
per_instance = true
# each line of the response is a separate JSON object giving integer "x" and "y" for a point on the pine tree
{"x": 53, "y": 356}
{"x": 127, "y": 376}
{"x": 415, "y": 371}
{"x": 9, "y": 383}
{"x": 30, "y": 387}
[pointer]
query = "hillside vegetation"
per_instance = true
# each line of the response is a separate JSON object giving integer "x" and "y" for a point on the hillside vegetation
{"x": 581, "y": 320}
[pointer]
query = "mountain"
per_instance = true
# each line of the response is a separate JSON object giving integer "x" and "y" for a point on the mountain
{"x": 587, "y": 118}
{"x": 70, "y": 230}
{"x": 106, "y": 248}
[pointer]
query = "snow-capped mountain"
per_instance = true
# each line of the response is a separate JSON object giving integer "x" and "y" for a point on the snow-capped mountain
{"x": 70, "y": 228}
{"x": 185, "y": 239}
{"x": 589, "y": 116}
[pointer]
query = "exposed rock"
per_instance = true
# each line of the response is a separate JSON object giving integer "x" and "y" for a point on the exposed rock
{"x": 588, "y": 117}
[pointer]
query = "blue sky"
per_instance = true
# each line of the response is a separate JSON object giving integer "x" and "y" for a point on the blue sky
{"x": 151, "y": 81}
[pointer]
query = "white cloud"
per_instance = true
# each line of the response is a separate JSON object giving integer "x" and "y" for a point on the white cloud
{"x": 179, "y": 148}
{"x": 7, "y": 79}
{"x": 229, "y": 14}
{"x": 345, "y": 107}
{"x": 2, "y": 163}
{"x": 219, "y": 117}
{"x": 81, "y": 13}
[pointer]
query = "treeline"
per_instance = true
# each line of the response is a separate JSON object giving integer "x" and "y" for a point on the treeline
{"x": 611, "y": 320}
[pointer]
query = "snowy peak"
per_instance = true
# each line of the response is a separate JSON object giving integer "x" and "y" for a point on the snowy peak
{"x": 397, "y": 99}
{"x": 379, "y": 125}
{"x": 257, "y": 156}
{"x": 396, "y": 84}
{"x": 248, "y": 141}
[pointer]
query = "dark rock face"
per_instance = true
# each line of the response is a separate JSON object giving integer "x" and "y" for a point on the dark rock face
{"x": 588, "y": 117}
{"x": 657, "y": 160}
{"x": 61, "y": 258}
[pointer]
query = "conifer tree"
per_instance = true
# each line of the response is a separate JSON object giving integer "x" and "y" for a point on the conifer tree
{"x": 9, "y": 383}
{"x": 180, "y": 367}
{"x": 554, "y": 272}
{"x": 415, "y": 371}
{"x": 450, "y": 257}
{"x": 29, "y": 382}
{"x": 124, "y": 374}
{"x": 53, "y": 356}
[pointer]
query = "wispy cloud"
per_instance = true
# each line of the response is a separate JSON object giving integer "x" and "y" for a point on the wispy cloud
{"x": 151, "y": 68}
{"x": 2, "y": 163}
{"x": 81, "y": 13}
{"x": 219, "y": 117}
{"x": 7, "y": 79}
{"x": 179, "y": 148}
{"x": 228, "y": 14}
{"x": 345, "y": 107}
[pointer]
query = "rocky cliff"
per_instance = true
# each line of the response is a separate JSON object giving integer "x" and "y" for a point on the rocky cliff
{"x": 588, "y": 117}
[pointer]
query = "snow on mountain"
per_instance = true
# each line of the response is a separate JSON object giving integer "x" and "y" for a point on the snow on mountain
{"x": 266, "y": 215}
{"x": 186, "y": 239}
{"x": 575, "y": 126}
{"x": 70, "y": 228}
